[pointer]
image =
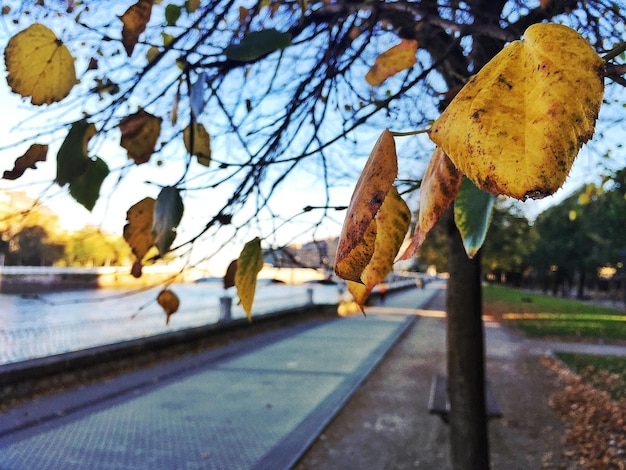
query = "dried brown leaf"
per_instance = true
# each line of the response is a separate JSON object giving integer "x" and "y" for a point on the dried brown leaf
{"x": 35, "y": 153}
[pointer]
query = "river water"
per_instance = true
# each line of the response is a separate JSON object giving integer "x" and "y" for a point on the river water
{"x": 33, "y": 326}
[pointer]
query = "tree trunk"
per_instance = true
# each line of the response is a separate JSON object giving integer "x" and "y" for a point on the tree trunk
{"x": 466, "y": 358}
{"x": 582, "y": 278}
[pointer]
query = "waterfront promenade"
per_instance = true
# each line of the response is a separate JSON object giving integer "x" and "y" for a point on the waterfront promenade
{"x": 42, "y": 325}
{"x": 254, "y": 403}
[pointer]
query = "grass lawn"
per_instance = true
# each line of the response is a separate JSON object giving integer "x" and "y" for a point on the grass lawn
{"x": 543, "y": 315}
{"x": 603, "y": 372}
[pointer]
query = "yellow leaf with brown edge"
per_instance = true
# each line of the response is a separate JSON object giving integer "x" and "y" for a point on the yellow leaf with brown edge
{"x": 140, "y": 132}
{"x": 249, "y": 264}
{"x": 351, "y": 267}
{"x": 516, "y": 127}
{"x": 39, "y": 65}
{"x": 440, "y": 186}
{"x": 359, "y": 293}
{"x": 201, "y": 143}
{"x": 138, "y": 230}
{"x": 169, "y": 302}
{"x": 134, "y": 22}
{"x": 392, "y": 61}
{"x": 357, "y": 240}
{"x": 392, "y": 222}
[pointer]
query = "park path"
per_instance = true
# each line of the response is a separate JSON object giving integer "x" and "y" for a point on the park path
{"x": 254, "y": 403}
{"x": 386, "y": 424}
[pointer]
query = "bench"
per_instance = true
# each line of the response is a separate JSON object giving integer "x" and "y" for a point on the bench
{"x": 439, "y": 404}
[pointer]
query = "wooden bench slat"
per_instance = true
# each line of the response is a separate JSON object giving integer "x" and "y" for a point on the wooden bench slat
{"x": 439, "y": 404}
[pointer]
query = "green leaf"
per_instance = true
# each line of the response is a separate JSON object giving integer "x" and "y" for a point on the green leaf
{"x": 257, "y": 44}
{"x": 168, "y": 210}
{"x": 472, "y": 215}
{"x": 172, "y": 13}
{"x": 86, "y": 188}
{"x": 167, "y": 39}
{"x": 249, "y": 264}
{"x": 72, "y": 159}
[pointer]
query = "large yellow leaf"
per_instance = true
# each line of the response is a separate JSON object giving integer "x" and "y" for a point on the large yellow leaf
{"x": 249, "y": 264}
{"x": 517, "y": 126}
{"x": 140, "y": 132}
{"x": 392, "y": 61}
{"x": 135, "y": 20}
{"x": 391, "y": 225}
{"x": 138, "y": 230}
{"x": 440, "y": 185}
{"x": 356, "y": 244}
{"x": 39, "y": 65}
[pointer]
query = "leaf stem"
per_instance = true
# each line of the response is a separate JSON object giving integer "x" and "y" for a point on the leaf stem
{"x": 409, "y": 133}
{"x": 613, "y": 53}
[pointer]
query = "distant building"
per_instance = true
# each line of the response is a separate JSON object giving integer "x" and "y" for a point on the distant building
{"x": 318, "y": 254}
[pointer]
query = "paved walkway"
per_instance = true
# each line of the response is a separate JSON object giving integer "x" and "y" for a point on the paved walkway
{"x": 255, "y": 403}
{"x": 386, "y": 424}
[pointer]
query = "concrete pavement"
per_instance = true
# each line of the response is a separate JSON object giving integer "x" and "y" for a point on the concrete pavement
{"x": 255, "y": 403}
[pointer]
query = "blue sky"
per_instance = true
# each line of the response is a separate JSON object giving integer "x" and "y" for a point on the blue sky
{"x": 304, "y": 187}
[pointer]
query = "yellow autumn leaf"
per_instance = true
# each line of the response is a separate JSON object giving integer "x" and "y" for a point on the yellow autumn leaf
{"x": 134, "y": 22}
{"x": 169, "y": 301}
{"x": 140, "y": 132}
{"x": 391, "y": 225}
{"x": 152, "y": 53}
{"x": 192, "y": 5}
{"x": 351, "y": 265}
{"x": 516, "y": 127}
{"x": 39, "y": 65}
{"x": 392, "y": 61}
{"x": 359, "y": 293}
{"x": 249, "y": 264}
{"x": 138, "y": 230}
{"x": 356, "y": 243}
{"x": 201, "y": 143}
{"x": 440, "y": 186}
